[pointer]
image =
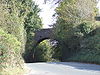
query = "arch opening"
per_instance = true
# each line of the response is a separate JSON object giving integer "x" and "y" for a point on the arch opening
{"x": 44, "y": 51}
{"x": 40, "y": 36}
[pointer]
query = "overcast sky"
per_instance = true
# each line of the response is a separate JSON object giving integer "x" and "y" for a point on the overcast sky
{"x": 98, "y": 5}
{"x": 47, "y": 10}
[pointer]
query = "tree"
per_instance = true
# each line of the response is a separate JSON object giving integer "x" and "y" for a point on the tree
{"x": 56, "y": 1}
{"x": 11, "y": 21}
{"x": 17, "y": 17}
{"x": 10, "y": 58}
{"x": 32, "y": 22}
{"x": 74, "y": 19}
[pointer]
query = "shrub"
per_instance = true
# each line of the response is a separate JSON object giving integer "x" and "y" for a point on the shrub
{"x": 89, "y": 49}
{"x": 74, "y": 22}
{"x": 44, "y": 52}
{"x": 10, "y": 51}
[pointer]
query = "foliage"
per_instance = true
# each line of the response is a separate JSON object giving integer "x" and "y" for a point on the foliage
{"x": 17, "y": 17}
{"x": 12, "y": 41}
{"x": 75, "y": 20}
{"x": 75, "y": 10}
{"x": 11, "y": 20}
{"x": 12, "y": 71}
{"x": 32, "y": 23}
{"x": 29, "y": 48}
{"x": 44, "y": 52}
{"x": 10, "y": 54}
{"x": 89, "y": 49}
{"x": 70, "y": 17}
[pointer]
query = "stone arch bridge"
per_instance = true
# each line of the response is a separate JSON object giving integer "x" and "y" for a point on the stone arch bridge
{"x": 42, "y": 34}
{"x": 39, "y": 36}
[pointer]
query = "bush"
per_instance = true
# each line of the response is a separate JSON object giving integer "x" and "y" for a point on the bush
{"x": 10, "y": 21}
{"x": 10, "y": 52}
{"x": 89, "y": 49}
{"x": 74, "y": 22}
{"x": 16, "y": 17}
{"x": 44, "y": 52}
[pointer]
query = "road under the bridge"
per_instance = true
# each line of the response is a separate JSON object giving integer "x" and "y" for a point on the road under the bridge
{"x": 62, "y": 68}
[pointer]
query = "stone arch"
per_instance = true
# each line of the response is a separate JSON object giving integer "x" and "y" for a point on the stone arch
{"x": 39, "y": 36}
{"x": 42, "y": 34}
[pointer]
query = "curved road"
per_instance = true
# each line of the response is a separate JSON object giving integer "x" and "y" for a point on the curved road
{"x": 62, "y": 68}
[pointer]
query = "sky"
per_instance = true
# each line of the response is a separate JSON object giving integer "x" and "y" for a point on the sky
{"x": 98, "y": 5}
{"x": 46, "y": 13}
{"x": 47, "y": 10}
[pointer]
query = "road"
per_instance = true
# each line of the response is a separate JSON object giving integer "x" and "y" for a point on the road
{"x": 62, "y": 68}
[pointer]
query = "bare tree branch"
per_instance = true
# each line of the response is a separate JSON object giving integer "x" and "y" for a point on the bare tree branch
{"x": 56, "y": 1}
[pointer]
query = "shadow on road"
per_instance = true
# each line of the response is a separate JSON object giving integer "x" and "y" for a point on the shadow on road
{"x": 81, "y": 66}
